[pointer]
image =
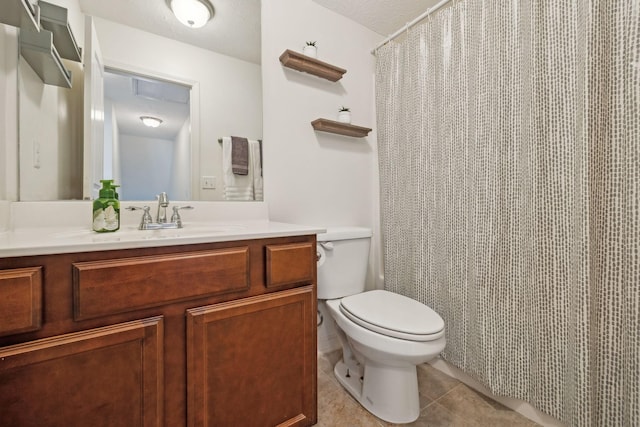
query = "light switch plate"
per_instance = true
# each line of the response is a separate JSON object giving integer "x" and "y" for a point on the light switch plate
{"x": 209, "y": 182}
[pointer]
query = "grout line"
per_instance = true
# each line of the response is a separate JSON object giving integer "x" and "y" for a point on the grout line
{"x": 453, "y": 388}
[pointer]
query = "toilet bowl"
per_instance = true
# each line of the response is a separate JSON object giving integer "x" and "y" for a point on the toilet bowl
{"x": 384, "y": 335}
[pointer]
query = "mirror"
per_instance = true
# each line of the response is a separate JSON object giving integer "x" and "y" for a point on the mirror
{"x": 225, "y": 99}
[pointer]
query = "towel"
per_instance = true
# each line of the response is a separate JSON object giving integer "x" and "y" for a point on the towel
{"x": 260, "y": 143}
{"x": 240, "y": 155}
{"x": 236, "y": 187}
{"x": 255, "y": 157}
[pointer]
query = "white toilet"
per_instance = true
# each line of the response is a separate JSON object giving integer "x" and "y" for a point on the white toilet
{"x": 384, "y": 335}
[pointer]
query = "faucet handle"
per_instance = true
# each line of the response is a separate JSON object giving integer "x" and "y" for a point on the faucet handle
{"x": 176, "y": 214}
{"x": 146, "y": 216}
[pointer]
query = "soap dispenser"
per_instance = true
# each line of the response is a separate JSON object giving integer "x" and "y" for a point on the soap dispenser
{"x": 115, "y": 191}
{"x": 106, "y": 209}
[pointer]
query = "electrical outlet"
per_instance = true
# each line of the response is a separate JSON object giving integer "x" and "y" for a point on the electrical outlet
{"x": 209, "y": 182}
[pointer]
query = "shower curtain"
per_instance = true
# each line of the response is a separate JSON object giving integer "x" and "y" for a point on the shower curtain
{"x": 509, "y": 156}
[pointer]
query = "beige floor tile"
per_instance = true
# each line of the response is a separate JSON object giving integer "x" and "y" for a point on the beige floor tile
{"x": 475, "y": 409}
{"x": 446, "y": 402}
{"x": 435, "y": 415}
{"x": 336, "y": 408}
{"x": 327, "y": 361}
{"x": 434, "y": 383}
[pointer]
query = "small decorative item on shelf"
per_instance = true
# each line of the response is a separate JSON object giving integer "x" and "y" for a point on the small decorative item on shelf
{"x": 310, "y": 50}
{"x": 344, "y": 115}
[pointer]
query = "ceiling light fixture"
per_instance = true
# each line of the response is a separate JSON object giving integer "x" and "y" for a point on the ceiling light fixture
{"x": 152, "y": 122}
{"x": 192, "y": 13}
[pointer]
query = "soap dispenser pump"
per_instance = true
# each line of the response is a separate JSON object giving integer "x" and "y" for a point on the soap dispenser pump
{"x": 106, "y": 209}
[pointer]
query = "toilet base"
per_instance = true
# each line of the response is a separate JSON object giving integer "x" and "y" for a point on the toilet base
{"x": 388, "y": 392}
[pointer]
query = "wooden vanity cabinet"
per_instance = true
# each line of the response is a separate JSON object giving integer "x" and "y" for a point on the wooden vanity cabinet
{"x": 218, "y": 334}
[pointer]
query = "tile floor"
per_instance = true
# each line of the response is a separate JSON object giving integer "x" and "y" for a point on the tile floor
{"x": 444, "y": 400}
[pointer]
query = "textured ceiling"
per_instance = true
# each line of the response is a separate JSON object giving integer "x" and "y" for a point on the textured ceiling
{"x": 233, "y": 31}
{"x": 158, "y": 101}
{"x": 235, "y": 28}
{"x": 382, "y": 16}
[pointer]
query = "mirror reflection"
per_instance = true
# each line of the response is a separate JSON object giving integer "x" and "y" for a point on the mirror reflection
{"x": 147, "y": 143}
{"x": 224, "y": 99}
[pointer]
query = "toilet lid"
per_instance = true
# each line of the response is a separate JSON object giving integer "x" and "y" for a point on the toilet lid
{"x": 393, "y": 315}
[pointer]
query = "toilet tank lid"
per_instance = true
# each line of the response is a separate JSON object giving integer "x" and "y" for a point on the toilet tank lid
{"x": 344, "y": 233}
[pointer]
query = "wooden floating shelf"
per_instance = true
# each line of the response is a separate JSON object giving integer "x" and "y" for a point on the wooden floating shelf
{"x": 347, "y": 129}
{"x": 304, "y": 63}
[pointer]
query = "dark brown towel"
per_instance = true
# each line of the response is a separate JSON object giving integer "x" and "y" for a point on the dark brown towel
{"x": 239, "y": 155}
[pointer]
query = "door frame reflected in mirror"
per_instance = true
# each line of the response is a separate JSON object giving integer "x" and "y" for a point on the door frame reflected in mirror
{"x": 147, "y": 161}
{"x": 194, "y": 114}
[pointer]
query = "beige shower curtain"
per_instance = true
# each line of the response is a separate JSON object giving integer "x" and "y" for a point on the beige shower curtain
{"x": 509, "y": 150}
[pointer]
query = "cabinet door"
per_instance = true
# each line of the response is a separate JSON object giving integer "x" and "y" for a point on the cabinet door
{"x": 20, "y": 300}
{"x": 111, "y": 376}
{"x": 252, "y": 362}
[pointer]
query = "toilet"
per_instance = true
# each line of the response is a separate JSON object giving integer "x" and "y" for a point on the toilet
{"x": 384, "y": 335}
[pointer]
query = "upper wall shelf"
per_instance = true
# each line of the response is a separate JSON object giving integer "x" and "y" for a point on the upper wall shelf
{"x": 20, "y": 13}
{"x": 347, "y": 129}
{"x": 300, "y": 62}
{"x": 55, "y": 19}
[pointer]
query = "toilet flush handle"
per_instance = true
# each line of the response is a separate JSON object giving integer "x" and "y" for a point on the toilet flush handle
{"x": 327, "y": 246}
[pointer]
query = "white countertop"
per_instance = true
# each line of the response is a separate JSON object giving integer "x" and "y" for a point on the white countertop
{"x": 53, "y": 240}
{"x": 41, "y": 228}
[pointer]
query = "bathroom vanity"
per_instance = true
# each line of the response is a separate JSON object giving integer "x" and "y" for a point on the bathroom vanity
{"x": 211, "y": 329}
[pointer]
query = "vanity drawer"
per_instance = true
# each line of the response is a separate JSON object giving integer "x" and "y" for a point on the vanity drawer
{"x": 102, "y": 288}
{"x": 290, "y": 264}
{"x": 20, "y": 300}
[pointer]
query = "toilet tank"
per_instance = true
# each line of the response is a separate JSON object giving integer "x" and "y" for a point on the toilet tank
{"x": 343, "y": 258}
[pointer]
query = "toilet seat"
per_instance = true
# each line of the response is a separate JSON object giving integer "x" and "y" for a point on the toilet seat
{"x": 393, "y": 315}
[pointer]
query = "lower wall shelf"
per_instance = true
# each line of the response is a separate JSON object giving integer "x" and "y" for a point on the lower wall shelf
{"x": 347, "y": 129}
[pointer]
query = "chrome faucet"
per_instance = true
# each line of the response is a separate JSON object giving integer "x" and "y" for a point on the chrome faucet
{"x": 163, "y": 203}
{"x": 146, "y": 223}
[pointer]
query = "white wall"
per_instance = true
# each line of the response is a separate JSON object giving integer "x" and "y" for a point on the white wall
{"x": 53, "y": 128}
{"x": 107, "y": 148}
{"x": 180, "y": 168}
{"x": 313, "y": 177}
{"x": 145, "y": 167}
{"x": 49, "y": 125}
{"x": 8, "y": 113}
{"x": 229, "y": 89}
{"x": 116, "y": 171}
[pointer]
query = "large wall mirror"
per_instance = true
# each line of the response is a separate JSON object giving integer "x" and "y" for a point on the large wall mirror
{"x": 202, "y": 86}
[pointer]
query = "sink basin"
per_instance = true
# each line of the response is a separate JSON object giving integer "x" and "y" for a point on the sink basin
{"x": 132, "y": 233}
{"x": 186, "y": 231}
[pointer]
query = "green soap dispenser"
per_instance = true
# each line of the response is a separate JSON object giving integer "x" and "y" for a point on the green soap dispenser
{"x": 115, "y": 191}
{"x": 106, "y": 209}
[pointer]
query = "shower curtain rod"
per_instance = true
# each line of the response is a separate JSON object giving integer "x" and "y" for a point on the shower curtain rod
{"x": 410, "y": 24}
